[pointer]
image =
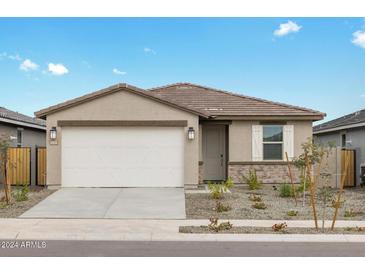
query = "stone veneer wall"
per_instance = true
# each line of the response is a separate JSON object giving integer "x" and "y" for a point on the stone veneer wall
{"x": 268, "y": 173}
{"x": 201, "y": 173}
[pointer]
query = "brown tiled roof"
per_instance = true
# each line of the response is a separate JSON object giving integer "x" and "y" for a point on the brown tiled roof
{"x": 203, "y": 101}
{"x": 222, "y": 103}
{"x": 10, "y": 115}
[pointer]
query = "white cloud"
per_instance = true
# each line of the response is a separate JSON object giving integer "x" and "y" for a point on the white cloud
{"x": 362, "y": 96}
{"x": 359, "y": 38}
{"x": 286, "y": 28}
{"x": 28, "y": 65}
{"x": 15, "y": 57}
{"x": 117, "y": 71}
{"x": 57, "y": 69}
{"x": 149, "y": 50}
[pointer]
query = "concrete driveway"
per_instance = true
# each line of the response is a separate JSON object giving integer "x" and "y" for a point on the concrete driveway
{"x": 112, "y": 203}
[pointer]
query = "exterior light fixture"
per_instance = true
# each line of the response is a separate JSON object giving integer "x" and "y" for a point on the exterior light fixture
{"x": 191, "y": 133}
{"x": 53, "y": 134}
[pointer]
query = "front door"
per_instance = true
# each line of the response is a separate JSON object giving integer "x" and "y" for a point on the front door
{"x": 214, "y": 152}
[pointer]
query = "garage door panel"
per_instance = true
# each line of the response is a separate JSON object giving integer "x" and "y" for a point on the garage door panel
{"x": 122, "y": 157}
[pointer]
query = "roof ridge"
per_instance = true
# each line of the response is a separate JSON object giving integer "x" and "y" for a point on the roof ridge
{"x": 20, "y": 117}
{"x": 340, "y": 120}
{"x": 238, "y": 95}
{"x": 114, "y": 88}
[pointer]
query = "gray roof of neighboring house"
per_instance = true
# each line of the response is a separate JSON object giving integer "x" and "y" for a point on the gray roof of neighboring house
{"x": 17, "y": 118}
{"x": 348, "y": 121}
{"x": 204, "y": 101}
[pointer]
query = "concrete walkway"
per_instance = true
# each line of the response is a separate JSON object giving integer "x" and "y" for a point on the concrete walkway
{"x": 112, "y": 203}
{"x": 155, "y": 230}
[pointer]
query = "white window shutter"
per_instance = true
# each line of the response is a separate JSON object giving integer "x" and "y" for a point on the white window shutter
{"x": 257, "y": 146}
{"x": 289, "y": 141}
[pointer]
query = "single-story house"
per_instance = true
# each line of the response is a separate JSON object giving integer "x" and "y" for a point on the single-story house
{"x": 172, "y": 136}
{"x": 24, "y": 132}
{"x": 347, "y": 132}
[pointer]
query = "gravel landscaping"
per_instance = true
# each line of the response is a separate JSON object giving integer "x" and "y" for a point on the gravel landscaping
{"x": 268, "y": 230}
{"x": 15, "y": 209}
{"x": 201, "y": 206}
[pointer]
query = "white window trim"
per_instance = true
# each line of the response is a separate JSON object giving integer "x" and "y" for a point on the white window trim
{"x": 271, "y": 142}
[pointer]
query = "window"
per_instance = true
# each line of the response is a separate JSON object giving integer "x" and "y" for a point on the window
{"x": 19, "y": 137}
{"x": 343, "y": 137}
{"x": 273, "y": 142}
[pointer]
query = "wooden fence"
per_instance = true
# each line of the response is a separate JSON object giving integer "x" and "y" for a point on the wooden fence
{"x": 349, "y": 174}
{"x": 19, "y": 165}
{"x": 41, "y": 165}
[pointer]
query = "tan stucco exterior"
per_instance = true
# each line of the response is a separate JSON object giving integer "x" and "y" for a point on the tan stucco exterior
{"x": 122, "y": 105}
{"x": 129, "y": 106}
{"x": 240, "y": 138}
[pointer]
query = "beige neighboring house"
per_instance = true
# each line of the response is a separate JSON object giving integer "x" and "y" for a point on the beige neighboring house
{"x": 172, "y": 136}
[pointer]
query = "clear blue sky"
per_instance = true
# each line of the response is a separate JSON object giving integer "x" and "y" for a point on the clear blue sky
{"x": 313, "y": 63}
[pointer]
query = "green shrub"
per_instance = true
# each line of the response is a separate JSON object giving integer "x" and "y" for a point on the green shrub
{"x": 3, "y": 205}
{"x": 286, "y": 190}
{"x": 252, "y": 180}
{"x": 300, "y": 188}
{"x": 218, "y": 189}
{"x": 215, "y": 190}
{"x": 350, "y": 213}
{"x": 21, "y": 193}
{"x": 259, "y": 205}
{"x": 292, "y": 213}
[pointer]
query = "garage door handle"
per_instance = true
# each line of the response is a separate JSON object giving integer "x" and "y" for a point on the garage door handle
{"x": 221, "y": 159}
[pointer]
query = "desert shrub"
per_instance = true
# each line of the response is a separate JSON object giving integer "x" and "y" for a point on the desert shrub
{"x": 356, "y": 229}
{"x": 255, "y": 198}
{"x": 303, "y": 185}
{"x": 259, "y": 205}
{"x": 216, "y": 227}
{"x": 279, "y": 227}
{"x": 334, "y": 203}
{"x": 286, "y": 190}
{"x": 217, "y": 190}
{"x": 219, "y": 207}
{"x": 21, "y": 193}
{"x": 252, "y": 180}
{"x": 350, "y": 213}
{"x": 292, "y": 213}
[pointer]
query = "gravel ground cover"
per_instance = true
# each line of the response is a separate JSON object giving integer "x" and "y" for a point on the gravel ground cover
{"x": 268, "y": 230}
{"x": 201, "y": 206}
{"x": 15, "y": 209}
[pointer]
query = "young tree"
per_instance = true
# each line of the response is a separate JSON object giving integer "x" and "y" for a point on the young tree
{"x": 4, "y": 162}
{"x": 313, "y": 154}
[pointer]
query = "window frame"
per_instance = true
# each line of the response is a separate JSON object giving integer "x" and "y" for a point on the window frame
{"x": 272, "y": 143}
{"x": 19, "y": 132}
{"x": 343, "y": 140}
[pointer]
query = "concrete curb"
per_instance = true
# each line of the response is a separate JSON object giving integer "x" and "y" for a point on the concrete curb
{"x": 157, "y": 230}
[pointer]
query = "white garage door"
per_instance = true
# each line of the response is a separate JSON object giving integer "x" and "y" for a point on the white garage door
{"x": 122, "y": 157}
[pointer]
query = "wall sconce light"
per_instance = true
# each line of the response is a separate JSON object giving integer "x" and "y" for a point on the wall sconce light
{"x": 191, "y": 133}
{"x": 53, "y": 134}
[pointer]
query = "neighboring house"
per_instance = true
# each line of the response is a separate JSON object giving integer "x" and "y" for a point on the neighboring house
{"x": 24, "y": 131}
{"x": 346, "y": 132}
{"x": 172, "y": 136}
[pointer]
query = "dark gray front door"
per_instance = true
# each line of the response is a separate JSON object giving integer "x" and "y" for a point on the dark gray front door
{"x": 214, "y": 152}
